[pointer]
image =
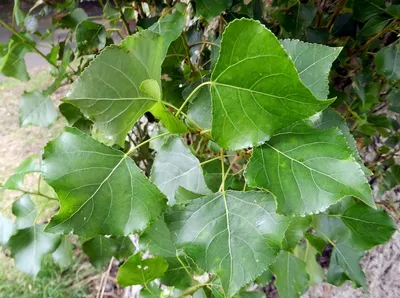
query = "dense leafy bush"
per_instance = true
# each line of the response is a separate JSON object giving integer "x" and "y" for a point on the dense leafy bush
{"x": 217, "y": 131}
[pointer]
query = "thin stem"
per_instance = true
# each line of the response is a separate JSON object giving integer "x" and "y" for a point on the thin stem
{"x": 187, "y": 51}
{"x": 190, "y": 96}
{"x": 184, "y": 115}
{"x": 222, "y": 157}
{"x": 145, "y": 142}
{"x": 38, "y": 193}
{"x": 124, "y": 21}
{"x": 212, "y": 159}
{"x": 204, "y": 42}
{"x": 224, "y": 177}
{"x": 338, "y": 9}
{"x": 183, "y": 265}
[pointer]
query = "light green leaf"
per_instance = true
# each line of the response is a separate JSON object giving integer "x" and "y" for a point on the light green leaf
{"x": 63, "y": 254}
{"x": 368, "y": 227}
{"x": 176, "y": 166}
{"x": 295, "y": 232}
{"x": 307, "y": 170}
{"x": 36, "y": 109}
{"x": 308, "y": 255}
{"x": 12, "y": 63}
{"x": 170, "y": 27}
{"x": 345, "y": 264}
{"x": 254, "y": 80}
{"x": 16, "y": 180}
{"x": 101, "y": 249}
{"x": 108, "y": 91}
{"x": 90, "y": 37}
{"x": 18, "y": 14}
{"x": 25, "y": 212}
{"x": 101, "y": 190}
{"x": 7, "y": 229}
{"x": 313, "y": 63}
{"x": 136, "y": 271}
{"x": 387, "y": 61}
{"x": 29, "y": 246}
{"x": 209, "y": 9}
{"x": 234, "y": 235}
{"x": 291, "y": 275}
{"x": 374, "y": 26}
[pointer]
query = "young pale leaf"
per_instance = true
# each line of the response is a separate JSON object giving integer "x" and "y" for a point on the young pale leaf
{"x": 12, "y": 63}
{"x": 29, "y": 246}
{"x": 345, "y": 264}
{"x": 25, "y": 212}
{"x": 291, "y": 275}
{"x": 176, "y": 166}
{"x": 295, "y": 232}
{"x": 7, "y": 229}
{"x": 308, "y": 256}
{"x": 108, "y": 91}
{"x": 307, "y": 170}
{"x": 235, "y": 235}
{"x": 16, "y": 180}
{"x": 255, "y": 80}
{"x": 63, "y": 254}
{"x": 101, "y": 249}
{"x": 386, "y": 61}
{"x": 368, "y": 227}
{"x": 313, "y": 63}
{"x": 36, "y": 109}
{"x": 101, "y": 190}
{"x": 209, "y": 9}
{"x": 18, "y": 14}
{"x": 90, "y": 37}
{"x": 136, "y": 271}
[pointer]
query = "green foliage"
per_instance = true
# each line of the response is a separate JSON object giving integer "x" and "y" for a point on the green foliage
{"x": 206, "y": 131}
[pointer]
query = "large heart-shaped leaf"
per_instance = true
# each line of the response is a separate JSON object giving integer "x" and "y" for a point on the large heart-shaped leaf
{"x": 235, "y": 235}
{"x": 101, "y": 190}
{"x": 108, "y": 91}
{"x": 255, "y": 88}
{"x": 307, "y": 170}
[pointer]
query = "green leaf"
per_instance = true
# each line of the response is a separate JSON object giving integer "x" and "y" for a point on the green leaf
{"x": 36, "y": 109}
{"x": 18, "y": 14}
{"x": 317, "y": 242}
{"x": 101, "y": 249}
{"x": 363, "y": 10}
{"x": 386, "y": 61}
{"x": 16, "y": 180}
{"x": 393, "y": 100}
{"x": 90, "y": 37}
{"x": 308, "y": 256}
{"x": 113, "y": 100}
{"x": 313, "y": 63}
{"x": 307, "y": 170}
{"x": 248, "y": 86}
{"x": 184, "y": 196}
{"x": 297, "y": 18}
{"x": 295, "y": 232}
{"x": 29, "y": 246}
{"x": 63, "y": 254}
{"x": 101, "y": 190}
{"x": 72, "y": 19}
{"x": 291, "y": 275}
{"x": 265, "y": 278}
{"x": 71, "y": 113}
{"x": 209, "y": 9}
{"x": 12, "y": 63}
{"x": 234, "y": 235}
{"x": 374, "y": 26}
{"x": 25, "y": 212}
{"x": 170, "y": 28}
{"x": 392, "y": 177}
{"x": 368, "y": 227}
{"x": 136, "y": 271}
{"x": 394, "y": 10}
{"x": 176, "y": 166}
{"x": 199, "y": 109}
{"x": 345, "y": 264}
{"x": 7, "y": 229}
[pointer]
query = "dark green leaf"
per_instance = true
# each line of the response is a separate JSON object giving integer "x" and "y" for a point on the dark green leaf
{"x": 317, "y": 242}
{"x": 209, "y": 9}
{"x": 394, "y": 10}
{"x": 136, "y": 271}
{"x": 363, "y": 10}
{"x": 113, "y": 99}
{"x": 101, "y": 249}
{"x": 344, "y": 25}
{"x": 264, "y": 278}
{"x": 90, "y": 37}
{"x": 184, "y": 196}
{"x": 248, "y": 86}
{"x": 63, "y": 254}
{"x": 291, "y": 275}
{"x": 72, "y": 19}
{"x": 16, "y": 180}
{"x": 29, "y": 246}
{"x": 297, "y": 18}
{"x": 71, "y": 113}
{"x": 374, "y": 26}
{"x": 36, "y": 109}
{"x": 345, "y": 264}
{"x": 307, "y": 170}
{"x": 25, "y": 212}
{"x": 235, "y": 235}
{"x": 386, "y": 61}
{"x": 392, "y": 177}
{"x": 313, "y": 63}
{"x": 12, "y": 63}
{"x": 93, "y": 177}
{"x": 176, "y": 166}
{"x": 295, "y": 232}
{"x": 393, "y": 100}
